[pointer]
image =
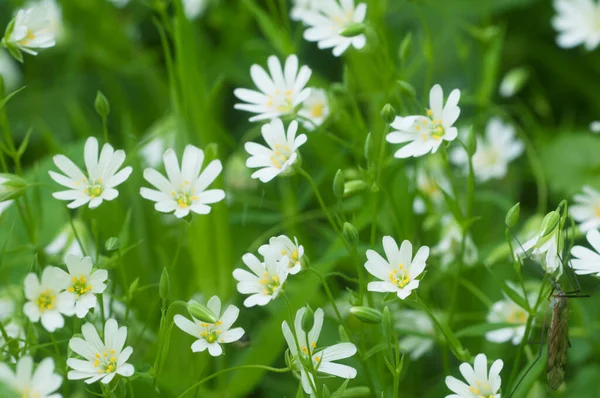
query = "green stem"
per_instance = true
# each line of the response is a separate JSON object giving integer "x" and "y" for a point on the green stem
{"x": 315, "y": 188}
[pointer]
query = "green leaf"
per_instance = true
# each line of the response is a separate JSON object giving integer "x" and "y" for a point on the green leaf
{"x": 24, "y": 143}
{"x": 481, "y": 329}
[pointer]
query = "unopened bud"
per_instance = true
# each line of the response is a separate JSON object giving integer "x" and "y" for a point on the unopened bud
{"x": 201, "y": 312}
{"x": 112, "y": 244}
{"x": 308, "y": 319}
{"x": 102, "y": 105}
{"x": 338, "y": 185}
{"x": 353, "y": 187}
{"x": 353, "y": 30}
{"x": 11, "y": 186}
{"x": 549, "y": 224}
{"x": 366, "y": 314}
{"x": 164, "y": 285}
{"x": 350, "y": 234}
{"x": 512, "y": 217}
{"x": 513, "y": 82}
{"x": 388, "y": 114}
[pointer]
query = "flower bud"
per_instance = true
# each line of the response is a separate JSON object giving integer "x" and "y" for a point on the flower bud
{"x": 353, "y": 187}
{"x": 102, "y": 105}
{"x": 112, "y": 244}
{"x": 388, "y": 114}
{"x": 11, "y": 186}
{"x": 338, "y": 185}
{"x": 366, "y": 314}
{"x": 512, "y": 217}
{"x": 353, "y": 30}
{"x": 164, "y": 285}
{"x": 471, "y": 143}
{"x": 201, "y": 312}
{"x": 350, "y": 234}
{"x": 308, "y": 319}
{"x": 549, "y": 224}
{"x": 405, "y": 47}
{"x": 406, "y": 88}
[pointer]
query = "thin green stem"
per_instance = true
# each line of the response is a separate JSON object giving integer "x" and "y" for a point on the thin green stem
{"x": 315, "y": 188}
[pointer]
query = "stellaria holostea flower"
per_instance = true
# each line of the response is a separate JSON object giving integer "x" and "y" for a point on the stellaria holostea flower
{"x": 44, "y": 301}
{"x": 41, "y": 383}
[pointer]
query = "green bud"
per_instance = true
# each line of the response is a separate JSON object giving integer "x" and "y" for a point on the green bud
{"x": 164, "y": 285}
{"x": 343, "y": 335}
{"x": 549, "y": 224}
{"x": 366, "y": 314}
{"x": 308, "y": 319}
{"x": 353, "y": 187}
{"x": 350, "y": 234}
{"x": 512, "y": 217}
{"x": 133, "y": 288}
{"x": 405, "y": 47}
{"x": 406, "y": 88}
{"x": 201, "y": 312}
{"x": 357, "y": 392}
{"x": 112, "y": 244}
{"x": 338, "y": 185}
{"x": 102, "y": 105}
{"x": 388, "y": 114}
{"x": 471, "y": 143}
{"x": 353, "y": 30}
{"x": 11, "y": 186}
{"x": 369, "y": 151}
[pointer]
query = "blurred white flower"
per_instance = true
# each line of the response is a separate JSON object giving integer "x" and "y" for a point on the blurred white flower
{"x": 41, "y": 383}
{"x": 44, "y": 299}
{"x": 577, "y": 23}
{"x": 586, "y": 261}
{"x": 50, "y": 10}
{"x": 595, "y": 126}
{"x": 185, "y": 188}
{"x": 103, "y": 175}
{"x": 303, "y": 345}
{"x": 119, "y": 3}
{"x": 5, "y": 205}
{"x": 211, "y": 335}
{"x": 103, "y": 360}
{"x": 479, "y": 382}
{"x": 329, "y": 19}
{"x": 280, "y": 153}
{"x": 9, "y": 70}
{"x": 430, "y": 181}
{"x": 265, "y": 281}
{"x": 300, "y": 8}
{"x": 315, "y": 110}
{"x": 545, "y": 249}
{"x": 280, "y": 93}
{"x": 83, "y": 283}
{"x": 449, "y": 247}
{"x": 494, "y": 152}
{"x": 586, "y": 209}
{"x": 31, "y": 30}
{"x": 398, "y": 272}
{"x": 507, "y": 311}
{"x": 425, "y": 134}
{"x": 284, "y": 246}
{"x": 417, "y": 321}
{"x": 194, "y": 8}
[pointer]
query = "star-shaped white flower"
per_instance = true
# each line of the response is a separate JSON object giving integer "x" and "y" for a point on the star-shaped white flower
{"x": 399, "y": 271}
{"x": 304, "y": 345}
{"x": 586, "y": 261}
{"x": 44, "y": 301}
{"x": 315, "y": 110}
{"x": 266, "y": 279}
{"x": 284, "y": 246}
{"x": 450, "y": 245}
{"x": 280, "y": 153}
{"x": 25, "y": 382}
{"x": 102, "y": 177}
{"x": 83, "y": 283}
{"x": 30, "y": 31}
{"x": 507, "y": 311}
{"x": 280, "y": 92}
{"x": 102, "y": 360}
{"x": 546, "y": 249}
{"x": 425, "y": 134}
{"x": 480, "y": 383}
{"x": 330, "y": 19}
{"x": 577, "y": 23}
{"x": 185, "y": 188}
{"x": 586, "y": 209}
{"x": 211, "y": 335}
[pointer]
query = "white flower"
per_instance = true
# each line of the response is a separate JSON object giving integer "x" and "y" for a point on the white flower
{"x": 577, "y": 23}
{"x": 449, "y": 247}
{"x": 399, "y": 271}
{"x": 103, "y": 360}
{"x": 300, "y": 8}
{"x": 586, "y": 210}
{"x": 9, "y": 71}
{"x": 50, "y": 10}
{"x": 280, "y": 154}
{"x": 586, "y": 261}
{"x": 194, "y": 8}
{"x": 494, "y": 152}
{"x": 185, "y": 189}
{"x": 31, "y": 31}
{"x": 83, "y": 283}
{"x": 266, "y": 279}
{"x": 480, "y": 383}
{"x": 507, "y": 311}
{"x": 280, "y": 93}
{"x": 425, "y": 134}
{"x": 100, "y": 181}
{"x": 283, "y": 246}
{"x": 595, "y": 126}
{"x": 41, "y": 383}
{"x": 212, "y": 335}
{"x": 330, "y": 19}
{"x": 44, "y": 299}
{"x": 305, "y": 345}
{"x": 315, "y": 110}
{"x": 418, "y": 321}
{"x": 546, "y": 249}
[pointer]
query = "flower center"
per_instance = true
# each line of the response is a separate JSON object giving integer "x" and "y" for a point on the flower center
{"x": 317, "y": 110}
{"x": 400, "y": 277}
{"x": 107, "y": 362}
{"x": 281, "y": 154}
{"x": 28, "y": 38}
{"x": 343, "y": 20}
{"x": 79, "y": 286}
{"x": 309, "y": 351}
{"x": 186, "y": 196}
{"x": 482, "y": 390}
{"x": 270, "y": 283}
{"x": 517, "y": 316}
{"x": 46, "y": 300}
{"x": 211, "y": 331}
{"x": 281, "y": 101}
{"x": 94, "y": 188}
{"x": 27, "y": 393}
{"x": 294, "y": 257}
{"x": 597, "y": 210}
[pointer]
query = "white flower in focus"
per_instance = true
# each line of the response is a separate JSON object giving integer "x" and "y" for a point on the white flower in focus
{"x": 266, "y": 279}
{"x": 479, "y": 382}
{"x": 305, "y": 345}
{"x": 330, "y": 19}
{"x": 194, "y": 8}
{"x": 9, "y": 71}
{"x": 545, "y": 249}
{"x": 280, "y": 93}
{"x": 577, "y": 23}
{"x": 425, "y": 134}
{"x": 315, "y": 110}
{"x": 283, "y": 246}
{"x": 398, "y": 272}
{"x": 280, "y": 153}
{"x": 103, "y": 360}
{"x": 31, "y": 31}
{"x": 586, "y": 261}
{"x": 102, "y": 177}
{"x": 449, "y": 247}
{"x": 83, "y": 283}
{"x": 417, "y": 321}
{"x": 45, "y": 302}
{"x": 211, "y": 335}
{"x": 586, "y": 209}
{"x": 185, "y": 188}
{"x": 507, "y": 311}
{"x": 595, "y": 126}
{"x": 41, "y": 383}
{"x": 301, "y": 7}
{"x": 494, "y": 152}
